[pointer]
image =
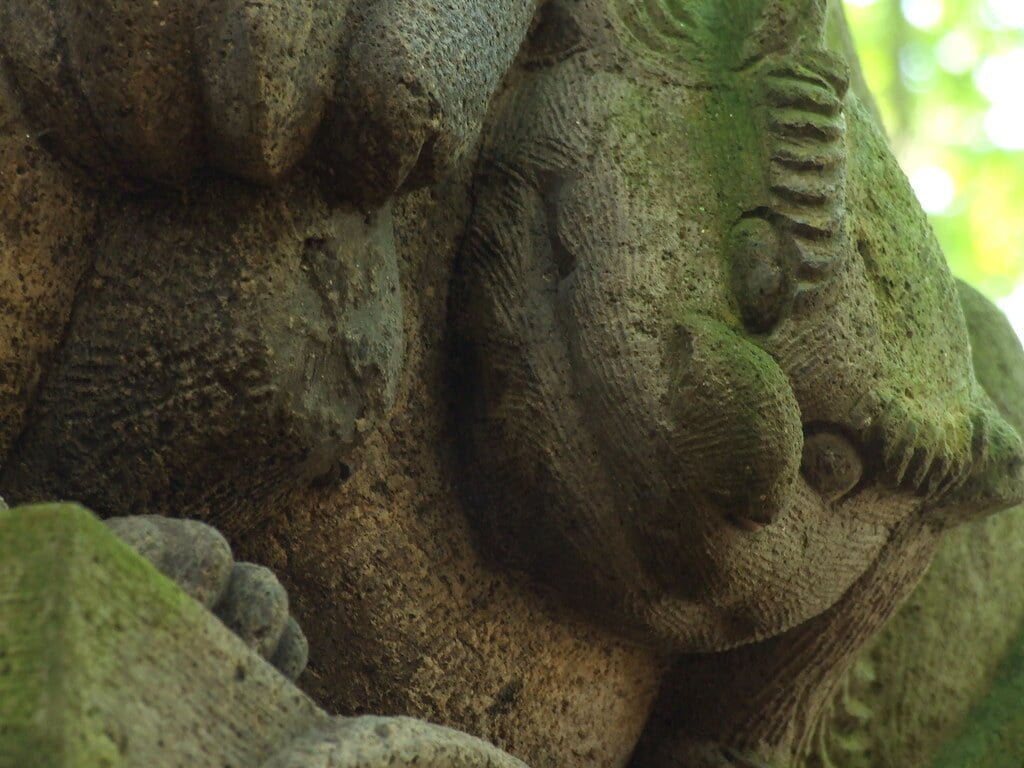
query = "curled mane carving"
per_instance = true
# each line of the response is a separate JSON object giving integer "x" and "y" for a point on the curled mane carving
{"x": 803, "y": 127}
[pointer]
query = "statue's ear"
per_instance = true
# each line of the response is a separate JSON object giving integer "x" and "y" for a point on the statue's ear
{"x": 997, "y": 478}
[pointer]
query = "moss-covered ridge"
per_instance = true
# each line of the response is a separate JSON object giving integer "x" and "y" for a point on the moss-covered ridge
{"x": 104, "y": 662}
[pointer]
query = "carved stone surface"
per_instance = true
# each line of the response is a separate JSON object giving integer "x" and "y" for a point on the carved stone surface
{"x": 275, "y": 313}
{"x": 267, "y": 316}
{"x": 44, "y": 226}
{"x": 106, "y": 663}
{"x": 389, "y": 742}
{"x": 163, "y": 90}
{"x": 616, "y": 444}
{"x": 248, "y": 598}
{"x": 915, "y": 684}
{"x": 687, "y": 279}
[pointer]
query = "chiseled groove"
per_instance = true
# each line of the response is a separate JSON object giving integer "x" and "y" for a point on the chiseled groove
{"x": 830, "y": 67}
{"x": 828, "y": 71}
{"x": 794, "y": 72}
{"x": 804, "y": 191}
{"x": 798, "y": 157}
{"x": 797, "y": 123}
{"x": 815, "y": 263}
{"x": 802, "y": 107}
{"x": 661, "y": 30}
{"x": 798, "y": 94}
{"x": 803, "y": 224}
{"x": 676, "y": 12}
{"x": 675, "y": 24}
{"x": 916, "y": 459}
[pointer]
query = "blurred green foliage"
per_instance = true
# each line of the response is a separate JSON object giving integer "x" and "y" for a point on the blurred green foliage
{"x": 949, "y": 79}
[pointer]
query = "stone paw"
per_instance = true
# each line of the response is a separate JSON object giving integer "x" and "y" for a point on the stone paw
{"x": 416, "y": 79}
{"x": 389, "y": 742}
{"x": 243, "y": 87}
{"x": 237, "y": 85}
{"x": 248, "y": 598}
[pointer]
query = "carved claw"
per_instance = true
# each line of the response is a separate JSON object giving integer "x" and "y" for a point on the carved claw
{"x": 389, "y": 742}
{"x": 921, "y": 466}
{"x": 248, "y": 598}
{"x": 900, "y": 453}
{"x": 414, "y": 86}
{"x": 996, "y": 477}
{"x": 243, "y": 86}
{"x": 941, "y": 476}
{"x": 919, "y": 456}
{"x": 956, "y": 477}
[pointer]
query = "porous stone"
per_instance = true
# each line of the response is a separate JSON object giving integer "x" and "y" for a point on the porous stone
{"x": 45, "y": 232}
{"x": 103, "y": 661}
{"x": 266, "y": 75}
{"x": 691, "y": 255}
{"x": 255, "y": 607}
{"x": 292, "y": 652}
{"x": 247, "y": 598}
{"x": 949, "y": 660}
{"x": 522, "y": 510}
{"x": 165, "y": 90}
{"x": 193, "y": 555}
{"x": 391, "y": 742}
{"x": 417, "y": 78}
{"x": 266, "y": 339}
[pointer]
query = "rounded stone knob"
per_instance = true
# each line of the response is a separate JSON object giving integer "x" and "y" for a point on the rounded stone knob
{"x": 831, "y": 464}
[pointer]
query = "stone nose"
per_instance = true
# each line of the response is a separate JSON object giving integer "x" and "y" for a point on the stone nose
{"x": 738, "y": 430}
{"x": 996, "y": 477}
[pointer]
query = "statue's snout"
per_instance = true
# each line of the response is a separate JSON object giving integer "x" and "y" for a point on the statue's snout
{"x": 996, "y": 477}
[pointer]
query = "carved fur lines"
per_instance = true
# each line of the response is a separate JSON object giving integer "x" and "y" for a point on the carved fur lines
{"x": 663, "y": 26}
{"x": 804, "y": 130}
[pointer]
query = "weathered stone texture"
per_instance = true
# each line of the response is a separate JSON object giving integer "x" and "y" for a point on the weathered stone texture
{"x": 106, "y": 664}
{"x": 45, "y": 231}
{"x": 633, "y": 426}
{"x": 265, "y": 333}
{"x": 103, "y": 662}
{"x": 914, "y": 686}
{"x": 162, "y": 90}
{"x": 389, "y": 742}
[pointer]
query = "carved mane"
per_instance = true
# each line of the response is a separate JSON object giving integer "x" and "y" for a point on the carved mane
{"x": 800, "y": 105}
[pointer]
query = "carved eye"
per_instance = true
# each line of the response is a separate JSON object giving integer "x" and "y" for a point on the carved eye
{"x": 760, "y": 279}
{"x": 831, "y": 464}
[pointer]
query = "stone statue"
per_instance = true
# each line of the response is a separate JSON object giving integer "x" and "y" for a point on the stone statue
{"x": 611, "y": 441}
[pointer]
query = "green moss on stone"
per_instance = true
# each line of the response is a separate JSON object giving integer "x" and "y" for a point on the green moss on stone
{"x": 104, "y": 662}
{"x": 59, "y": 570}
{"x": 994, "y": 734}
